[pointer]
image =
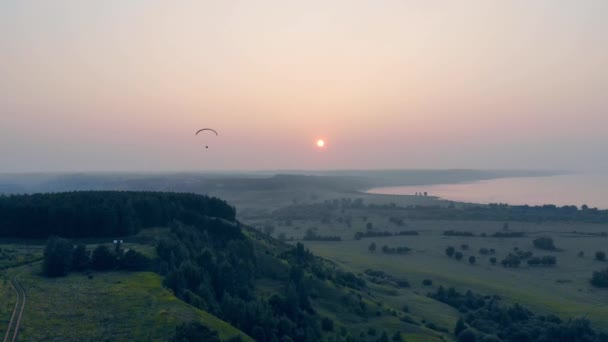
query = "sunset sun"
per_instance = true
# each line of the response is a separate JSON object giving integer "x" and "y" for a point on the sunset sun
{"x": 320, "y": 143}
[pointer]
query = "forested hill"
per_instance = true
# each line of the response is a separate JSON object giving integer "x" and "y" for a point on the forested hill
{"x": 105, "y": 213}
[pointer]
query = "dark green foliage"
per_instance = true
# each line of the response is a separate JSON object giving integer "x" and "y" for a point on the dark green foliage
{"x": 102, "y": 259}
{"x": 491, "y": 212}
{"x": 327, "y": 324}
{"x": 457, "y": 233}
{"x": 544, "y": 242}
{"x": 383, "y": 337}
{"x": 547, "y": 260}
{"x": 427, "y": 282}
{"x": 511, "y": 260}
{"x": 458, "y": 255}
{"x": 464, "y": 247}
{"x": 460, "y": 327}
{"x": 493, "y": 260}
{"x": 81, "y": 258}
{"x": 484, "y": 251}
{"x": 194, "y": 332}
{"x": 395, "y": 250}
{"x": 600, "y": 256}
{"x": 372, "y": 247}
{"x": 134, "y": 261}
{"x": 216, "y": 274}
{"x": 467, "y": 336}
{"x": 102, "y": 213}
{"x": 450, "y": 251}
{"x": 600, "y": 278}
{"x": 397, "y": 337}
{"x": 57, "y": 257}
{"x": 513, "y": 323}
{"x": 311, "y": 235}
{"x": 472, "y": 260}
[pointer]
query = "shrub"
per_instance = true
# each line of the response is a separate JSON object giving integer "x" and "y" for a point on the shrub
{"x": 484, "y": 251}
{"x": 449, "y": 251}
{"x": 544, "y": 242}
{"x": 472, "y": 260}
{"x": 458, "y": 255}
{"x": 464, "y": 247}
{"x": 102, "y": 259}
{"x": 80, "y": 258}
{"x": 493, "y": 260}
{"x": 57, "y": 257}
{"x": 427, "y": 282}
{"x": 601, "y": 256}
{"x": 327, "y": 324}
{"x": 600, "y": 278}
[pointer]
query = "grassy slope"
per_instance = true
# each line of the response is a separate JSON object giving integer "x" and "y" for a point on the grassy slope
{"x": 7, "y": 302}
{"x": 563, "y": 289}
{"x": 111, "y": 306}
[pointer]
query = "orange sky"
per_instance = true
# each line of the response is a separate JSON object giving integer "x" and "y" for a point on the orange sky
{"x": 390, "y": 84}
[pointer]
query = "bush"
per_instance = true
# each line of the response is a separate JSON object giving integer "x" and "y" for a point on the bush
{"x": 102, "y": 259}
{"x": 467, "y": 336}
{"x": 57, "y": 257}
{"x": 600, "y": 278}
{"x": 472, "y": 260}
{"x": 327, "y": 324}
{"x": 134, "y": 261}
{"x": 484, "y": 251}
{"x": 464, "y": 247}
{"x": 545, "y": 243}
{"x": 427, "y": 282}
{"x": 600, "y": 256}
{"x": 449, "y": 251}
{"x": 458, "y": 255}
{"x": 493, "y": 260}
{"x": 80, "y": 258}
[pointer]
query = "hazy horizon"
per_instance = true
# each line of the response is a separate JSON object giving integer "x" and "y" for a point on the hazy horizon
{"x": 122, "y": 86}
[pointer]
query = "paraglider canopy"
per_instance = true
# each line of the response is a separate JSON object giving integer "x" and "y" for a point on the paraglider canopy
{"x": 206, "y": 129}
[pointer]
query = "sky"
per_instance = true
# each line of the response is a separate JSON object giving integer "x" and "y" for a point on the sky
{"x": 120, "y": 85}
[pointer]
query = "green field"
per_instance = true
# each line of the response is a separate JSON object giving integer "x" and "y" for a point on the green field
{"x": 563, "y": 289}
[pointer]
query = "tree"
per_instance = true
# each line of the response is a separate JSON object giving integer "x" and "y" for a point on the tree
{"x": 81, "y": 258}
{"x": 544, "y": 242}
{"x": 581, "y": 254}
{"x": 600, "y": 278}
{"x": 57, "y": 257}
{"x": 427, "y": 282}
{"x": 369, "y": 226}
{"x": 493, "y": 260}
{"x": 383, "y": 337}
{"x": 464, "y": 247}
{"x": 600, "y": 256}
{"x": 467, "y": 336}
{"x": 134, "y": 261}
{"x": 397, "y": 337}
{"x": 460, "y": 326}
{"x": 372, "y": 247}
{"x": 472, "y": 260}
{"x": 458, "y": 255}
{"x": 102, "y": 259}
{"x": 194, "y": 332}
{"x": 327, "y": 324}
{"x": 449, "y": 251}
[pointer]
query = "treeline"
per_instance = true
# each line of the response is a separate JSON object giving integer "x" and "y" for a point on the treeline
{"x": 372, "y": 234}
{"x": 61, "y": 257}
{"x": 102, "y": 213}
{"x": 311, "y": 235}
{"x": 217, "y": 275}
{"x": 485, "y": 318}
{"x": 491, "y": 212}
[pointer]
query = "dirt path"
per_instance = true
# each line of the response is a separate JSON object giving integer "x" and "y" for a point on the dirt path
{"x": 13, "y": 325}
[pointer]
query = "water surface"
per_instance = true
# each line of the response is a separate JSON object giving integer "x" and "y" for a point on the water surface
{"x": 573, "y": 189}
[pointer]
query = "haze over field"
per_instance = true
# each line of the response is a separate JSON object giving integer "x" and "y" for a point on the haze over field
{"x": 117, "y": 85}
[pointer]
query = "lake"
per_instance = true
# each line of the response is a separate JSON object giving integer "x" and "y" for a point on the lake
{"x": 572, "y": 189}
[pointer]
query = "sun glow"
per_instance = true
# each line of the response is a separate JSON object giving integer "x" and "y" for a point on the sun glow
{"x": 320, "y": 143}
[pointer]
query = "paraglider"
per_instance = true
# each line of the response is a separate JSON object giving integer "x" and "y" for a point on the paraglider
{"x": 206, "y": 129}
